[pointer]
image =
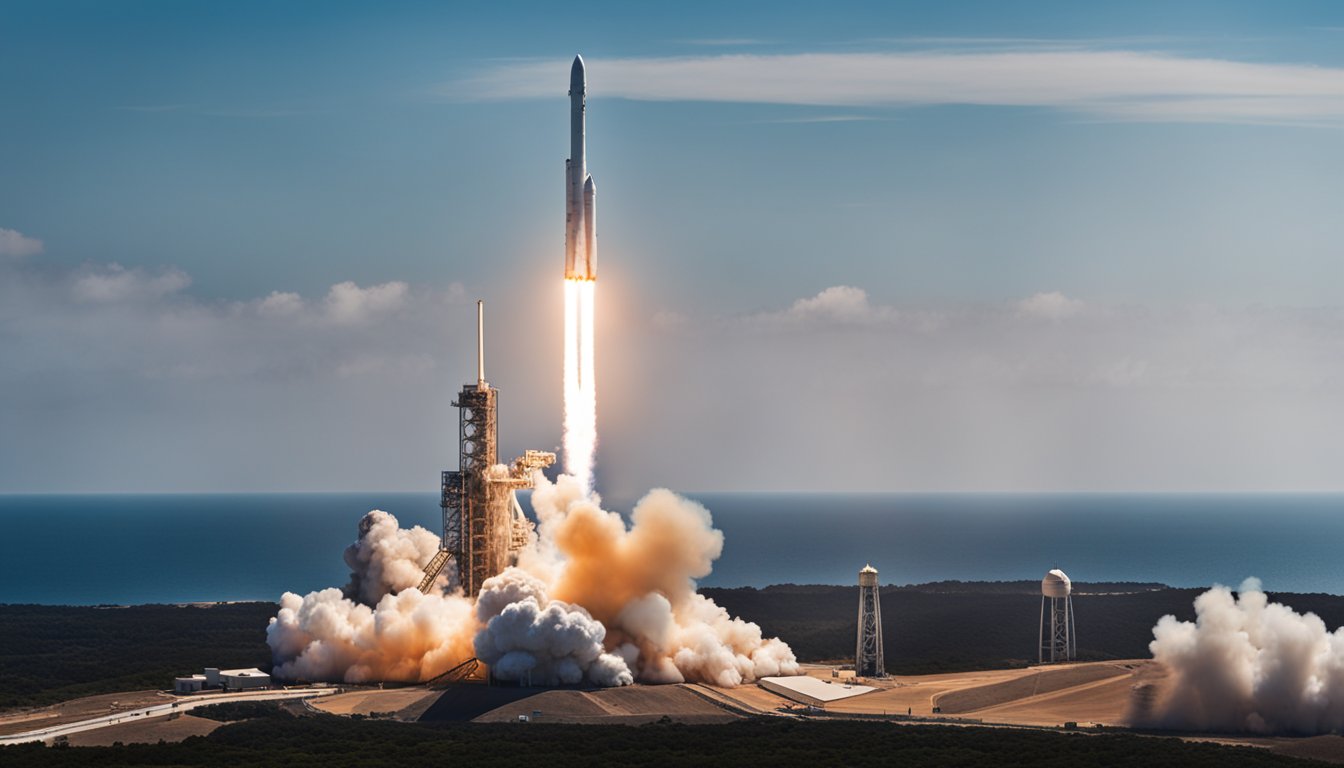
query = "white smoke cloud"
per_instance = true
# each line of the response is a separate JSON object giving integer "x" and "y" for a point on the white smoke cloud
{"x": 591, "y": 600}
{"x": 528, "y": 636}
{"x": 387, "y": 558}
{"x": 15, "y": 244}
{"x": 407, "y": 636}
{"x": 1248, "y": 665}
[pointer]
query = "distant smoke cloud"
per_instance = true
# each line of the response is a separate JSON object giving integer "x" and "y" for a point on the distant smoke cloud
{"x": 1249, "y": 665}
{"x": 591, "y": 600}
{"x": 1102, "y": 84}
{"x": 17, "y": 245}
{"x": 1051, "y": 306}
{"x": 113, "y": 282}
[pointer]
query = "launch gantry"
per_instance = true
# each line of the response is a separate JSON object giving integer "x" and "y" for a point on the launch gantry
{"x": 484, "y": 527}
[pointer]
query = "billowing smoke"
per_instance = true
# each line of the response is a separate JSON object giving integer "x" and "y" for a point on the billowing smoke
{"x": 591, "y": 601}
{"x": 387, "y": 558}
{"x": 407, "y": 636}
{"x": 1248, "y": 665}
{"x": 528, "y": 636}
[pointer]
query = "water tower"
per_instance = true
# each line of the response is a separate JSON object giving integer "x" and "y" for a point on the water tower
{"x": 868, "y": 661}
{"x": 1059, "y": 641}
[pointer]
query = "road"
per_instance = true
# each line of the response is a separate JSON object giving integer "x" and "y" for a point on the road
{"x": 181, "y": 704}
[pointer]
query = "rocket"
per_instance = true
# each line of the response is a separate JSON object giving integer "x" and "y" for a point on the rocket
{"x": 580, "y": 192}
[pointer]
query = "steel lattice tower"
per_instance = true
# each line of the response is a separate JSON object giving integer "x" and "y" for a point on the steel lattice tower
{"x": 1058, "y": 639}
{"x": 868, "y": 659}
{"x": 483, "y": 524}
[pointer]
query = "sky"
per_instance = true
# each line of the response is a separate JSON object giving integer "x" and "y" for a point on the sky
{"x": 990, "y": 246}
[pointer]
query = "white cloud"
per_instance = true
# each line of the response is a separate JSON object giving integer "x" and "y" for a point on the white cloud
{"x": 347, "y": 303}
{"x": 837, "y": 305}
{"x": 273, "y": 394}
{"x": 1103, "y": 84}
{"x": 1051, "y": 306}
{"x": 840, "y": 303}
{"x": 281, "y": 304}
{"x": 113, "y": 282}
{"x": 17, "y": 245}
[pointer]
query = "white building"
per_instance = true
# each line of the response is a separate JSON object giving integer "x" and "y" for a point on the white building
{"x": 228, "y": 679}
{"x": 810, "y": 690}
{"x": 192, "y": 684}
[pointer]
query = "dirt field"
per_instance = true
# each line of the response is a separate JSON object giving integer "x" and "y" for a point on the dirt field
{"x": 78, "y": 709}
{"x": 146, "y": 732}
{"x": 367, "y": 702}
{"x": 1038, "y": 683}
{"x": 631, "y": 705}
{"x": 1049, "y": 696}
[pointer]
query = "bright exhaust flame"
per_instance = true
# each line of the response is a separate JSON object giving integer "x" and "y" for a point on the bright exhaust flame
{"x": 580, "y": 382}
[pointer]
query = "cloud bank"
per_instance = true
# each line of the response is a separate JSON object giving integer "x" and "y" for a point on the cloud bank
{"x": 1098, "y": 84}
{"x": 349, "y": 387}
{"x": 15, "y": 244}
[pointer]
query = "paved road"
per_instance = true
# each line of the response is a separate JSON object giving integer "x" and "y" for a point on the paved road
{"x": 182, "y": 704}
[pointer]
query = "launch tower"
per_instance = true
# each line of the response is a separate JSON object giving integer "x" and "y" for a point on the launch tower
{"x": 483, "y": 524}
{"x": 868, "y": 660}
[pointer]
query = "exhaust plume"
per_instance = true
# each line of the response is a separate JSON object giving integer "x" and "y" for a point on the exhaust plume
{"x": 591, "y": 600}
{"x": 580, "y": 385}
{"x": 1248, "y": 665}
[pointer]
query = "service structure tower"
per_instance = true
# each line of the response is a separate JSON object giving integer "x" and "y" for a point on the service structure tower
{"x": 868, "y": 659}
{"x": 484, "y": 527}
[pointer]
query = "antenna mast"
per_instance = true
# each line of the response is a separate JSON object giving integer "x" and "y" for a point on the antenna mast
{"x": 480, "y": 345}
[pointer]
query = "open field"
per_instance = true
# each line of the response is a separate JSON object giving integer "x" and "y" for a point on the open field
{"x": 370, "y": 701}
{"x": 79, "y": 709}
{"x": 631, "y": 706}
{"x": 1093, "y": 693}
{"x": 146, "y": 732}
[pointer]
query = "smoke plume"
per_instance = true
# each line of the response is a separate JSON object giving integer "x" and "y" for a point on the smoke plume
{"x": 1249, "y": 665}
{"x": 387, "y": 558}
{"x": 592, "y": 600}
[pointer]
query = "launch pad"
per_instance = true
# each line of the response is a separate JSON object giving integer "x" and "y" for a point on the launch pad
{"x": 484, "y": 527}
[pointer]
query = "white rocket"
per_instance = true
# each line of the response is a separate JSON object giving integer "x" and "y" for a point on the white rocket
{"x": 580, "y": 192}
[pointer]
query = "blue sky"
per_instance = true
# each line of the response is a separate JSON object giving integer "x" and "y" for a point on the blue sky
{"x": 961, "y": 160}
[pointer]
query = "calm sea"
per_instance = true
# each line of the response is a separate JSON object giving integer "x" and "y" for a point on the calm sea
{"x": 122, "y": 549}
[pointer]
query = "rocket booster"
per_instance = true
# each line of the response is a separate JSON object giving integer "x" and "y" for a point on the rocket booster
{"x": 580, "y": 191}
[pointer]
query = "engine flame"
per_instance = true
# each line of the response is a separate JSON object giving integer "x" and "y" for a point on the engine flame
{"x": 580, "y": 382}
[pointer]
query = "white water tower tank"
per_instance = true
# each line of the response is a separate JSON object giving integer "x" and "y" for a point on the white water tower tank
{"x": 1058, "y": 638}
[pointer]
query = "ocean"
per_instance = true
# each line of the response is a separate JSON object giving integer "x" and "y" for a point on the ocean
{"x": 131, "y": 549}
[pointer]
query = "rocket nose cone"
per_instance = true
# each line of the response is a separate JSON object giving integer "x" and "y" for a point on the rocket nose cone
{"x": 576, "y": 77}
{"x": 589, "y": 187}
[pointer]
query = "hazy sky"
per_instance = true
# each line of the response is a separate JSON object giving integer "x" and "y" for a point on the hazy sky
{"x": 887, "y": 246}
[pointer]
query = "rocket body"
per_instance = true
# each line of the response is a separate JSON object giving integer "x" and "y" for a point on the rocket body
{"x": 580, "y": 191}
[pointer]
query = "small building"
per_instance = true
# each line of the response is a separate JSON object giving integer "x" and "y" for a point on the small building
{"x": 192, "y": 684}
{"x": 236, "y": 679}
{"x": 244, "y": 679}
{"x": 250, "y": 678}
{"x": 810, "y": 690}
